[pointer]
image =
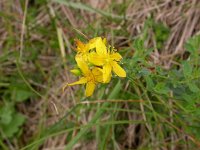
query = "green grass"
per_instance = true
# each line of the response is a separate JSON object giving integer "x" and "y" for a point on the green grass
{"x": 153, "y": 108}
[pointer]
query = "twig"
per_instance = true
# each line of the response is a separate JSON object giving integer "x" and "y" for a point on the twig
{"x": 23, "y": 30}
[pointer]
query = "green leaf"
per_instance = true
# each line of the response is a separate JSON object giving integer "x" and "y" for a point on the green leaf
{"x": 187, "y": 97}
{"x": 193, "y": 87}
{"x": 149, "y": 82}
{"x": 161, "y": 88}
{"x": 144, "y": 72}
{"x": 194, "y": 130}
{"x": 187, "y": 69}
{"x": 138, "y": 44}
{"x": 161, "y": 33}
{"x": 20, "y": 91}
{"x": 193, "y": 45}
{"x": 13, "y": 127}
{"x": 6, "y": 114}
{"x": 20, "y": 95}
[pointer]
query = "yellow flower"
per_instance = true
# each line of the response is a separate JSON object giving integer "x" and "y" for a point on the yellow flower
{"x": 83, "y": 49}
{"x": 90, "y": 77}
{"x": 107, "y": 59}
{"x": 95, "y": 62}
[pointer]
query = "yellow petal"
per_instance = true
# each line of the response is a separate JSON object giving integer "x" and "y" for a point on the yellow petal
{"x": 82, "y": 80}
{"x": 92, "y": 43}
{"x": 101, "y": 47}
{"x": 82, "y": 64}
{"x": 106, "y": 73}
{"x": 96, "y": 59}
{"x": 116, "y": 56}
{"x": 90, "y": 86}
{"x": 98, "y": 74}
{"x": 118, "y": 69}
{"x": 97, "y": 71}
{"x": 108, "y": 78}
{"x": 99, "y": 79}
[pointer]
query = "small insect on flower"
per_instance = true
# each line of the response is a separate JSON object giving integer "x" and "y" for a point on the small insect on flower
{"x": 96, "y": 61}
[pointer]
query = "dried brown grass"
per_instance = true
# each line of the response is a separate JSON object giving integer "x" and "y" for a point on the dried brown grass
{"x": 181, "y": 16}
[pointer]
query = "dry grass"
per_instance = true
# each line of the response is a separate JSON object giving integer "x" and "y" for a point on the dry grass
{"x": 181, "y": 16}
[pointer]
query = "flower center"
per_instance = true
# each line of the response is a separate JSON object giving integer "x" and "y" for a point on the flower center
{"x": 107, "y": 60}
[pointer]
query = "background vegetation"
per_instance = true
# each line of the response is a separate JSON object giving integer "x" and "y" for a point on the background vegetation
{"x": 156, "y": 107}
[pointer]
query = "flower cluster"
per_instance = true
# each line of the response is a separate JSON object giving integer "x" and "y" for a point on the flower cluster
{"x": 96, "y": 61}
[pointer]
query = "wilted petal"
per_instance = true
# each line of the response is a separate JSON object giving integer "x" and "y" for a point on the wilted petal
{"x": 106, "y": 73}
{"x": 90, "y": 86}
{"x": 80, "y": 46}
{"x": 118, "y": 69}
